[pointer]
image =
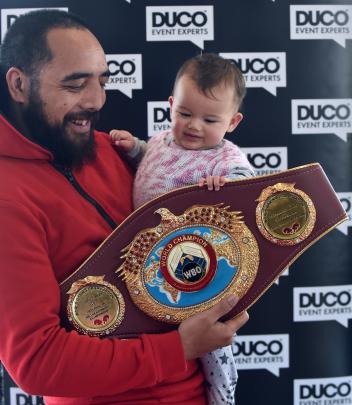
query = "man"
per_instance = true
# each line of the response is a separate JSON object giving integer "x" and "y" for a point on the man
{"x": 63, "y": 189}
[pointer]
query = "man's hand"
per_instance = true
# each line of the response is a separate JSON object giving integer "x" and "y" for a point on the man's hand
{"x": 213, "y": 182}
{"x": 123, "y": 139}
{"x": 203, "y": 333}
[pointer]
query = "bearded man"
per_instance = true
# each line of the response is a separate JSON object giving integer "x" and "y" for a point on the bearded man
{"x": 63, "y": 189}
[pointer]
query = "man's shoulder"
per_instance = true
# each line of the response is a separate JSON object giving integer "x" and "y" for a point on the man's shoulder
{"x": 102, "y": 137}
{"x": 103, "y": 142}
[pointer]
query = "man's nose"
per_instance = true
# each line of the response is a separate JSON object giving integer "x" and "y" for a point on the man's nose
{"x": 93, "y": 98}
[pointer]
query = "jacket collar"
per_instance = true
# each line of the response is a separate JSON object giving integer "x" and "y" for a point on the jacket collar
{"x": 15, "y": 145}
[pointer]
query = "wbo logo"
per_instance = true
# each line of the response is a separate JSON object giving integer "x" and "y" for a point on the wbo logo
{"x": 180, "y": 23}
{"x": 125, "y": 73}
{"x": 159, "y": 117}
{"x": 331, "y": 303}
{"x": 261, "y": 69}
{"x": 321, "y": 22}
{"x": 270, "y": 352}
{"x": 9, "y": 16}
{"x": 267, "y": 160}
{"x": 323, "y": 391}
{"x": 322, "y": 116}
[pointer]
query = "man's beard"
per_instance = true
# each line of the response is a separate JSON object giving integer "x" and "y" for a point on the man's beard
{"x": 66, "y": 152}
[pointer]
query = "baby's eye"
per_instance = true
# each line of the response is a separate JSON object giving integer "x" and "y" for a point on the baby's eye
{"x": 210, "y": 121}
{"x": 184, "y": 114}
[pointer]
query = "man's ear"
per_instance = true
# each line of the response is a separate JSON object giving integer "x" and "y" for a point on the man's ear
{"x": 18, "y": 85}
{"x": 235, "y": 120}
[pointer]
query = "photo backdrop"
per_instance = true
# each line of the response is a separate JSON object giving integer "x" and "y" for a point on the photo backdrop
{"x": 297, "y": 60}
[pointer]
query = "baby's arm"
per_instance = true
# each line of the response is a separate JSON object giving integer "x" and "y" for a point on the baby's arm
{"x": 123, "y": 139}
{"x": 133, "y": 147}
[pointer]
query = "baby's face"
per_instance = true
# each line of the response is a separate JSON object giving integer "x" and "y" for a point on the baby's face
{"x": 199, "y": 121}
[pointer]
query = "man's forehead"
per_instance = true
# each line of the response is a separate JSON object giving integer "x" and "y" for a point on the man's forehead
{"x": 76, "y": 50}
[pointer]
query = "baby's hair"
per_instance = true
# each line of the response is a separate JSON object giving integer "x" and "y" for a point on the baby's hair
{"x": 209, "y": 70}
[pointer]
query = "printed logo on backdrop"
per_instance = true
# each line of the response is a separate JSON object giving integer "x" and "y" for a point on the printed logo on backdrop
{"x": 323, "y": 391}
{"x": 269, "y": 352}
{"x": 322, "y": 116}
{"x": 346, "y": 201}
{"x": 19, "y": 397}
{"x": 159, "y": 117}
{"x": 267, "y": 160}
{"x": 331, "y": 303}
{"x": 125, "y": 73}
{"x": 180, "y": 23}
{"x": 9, "y": 16}
{"x": 261, "y": 69}
{"x": 321, "y": 22}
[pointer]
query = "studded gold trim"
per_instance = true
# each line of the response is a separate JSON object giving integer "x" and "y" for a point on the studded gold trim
{"x": 95, "y": 307}
{"x": 285, "y": 215}
{"x": 241, "y": 250}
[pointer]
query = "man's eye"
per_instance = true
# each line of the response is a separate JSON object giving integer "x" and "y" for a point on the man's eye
{"x": 74, "y": 87}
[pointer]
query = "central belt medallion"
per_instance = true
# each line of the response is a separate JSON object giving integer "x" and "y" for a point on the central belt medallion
{"x": 189, "y": 262}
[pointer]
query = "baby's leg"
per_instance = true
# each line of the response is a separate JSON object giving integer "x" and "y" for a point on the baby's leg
{"x": 221, "y": 376}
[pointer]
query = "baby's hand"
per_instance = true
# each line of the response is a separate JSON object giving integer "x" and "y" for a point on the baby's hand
{"x": 122, "y": 139}
{"x": 213, "y": 182}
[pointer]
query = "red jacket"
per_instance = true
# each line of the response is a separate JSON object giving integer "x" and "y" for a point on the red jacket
{"x": 47, "y": 229}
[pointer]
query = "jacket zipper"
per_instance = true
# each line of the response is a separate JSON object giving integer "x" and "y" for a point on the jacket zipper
{"x": 70, "y": 177}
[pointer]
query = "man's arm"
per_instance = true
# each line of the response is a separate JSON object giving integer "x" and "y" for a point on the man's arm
{"x": 43, "y": 358}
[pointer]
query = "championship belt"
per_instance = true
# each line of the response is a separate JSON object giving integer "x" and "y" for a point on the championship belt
{"x": 184, "y": 251}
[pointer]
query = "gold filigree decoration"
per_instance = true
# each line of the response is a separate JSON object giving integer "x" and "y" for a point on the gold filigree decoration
{"x": 276, "y": 188}
{"x": 285, "y": 215}
{"x": 239, "y": 248}
{"x": 95, "y": 307}
{"x": 77, "y": 285}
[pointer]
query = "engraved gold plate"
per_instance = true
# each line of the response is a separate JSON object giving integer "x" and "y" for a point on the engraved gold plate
{"x": 95, "y": 307}
{"x": 285, "y": 215}
{"x": 189, "y": 262}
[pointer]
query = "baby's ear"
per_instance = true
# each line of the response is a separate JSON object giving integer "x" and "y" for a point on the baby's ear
{"x": 171, "y": 101}
{"x": 235, "y": 120}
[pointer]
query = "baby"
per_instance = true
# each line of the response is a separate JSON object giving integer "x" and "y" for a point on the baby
{"x": 205, "y": 103}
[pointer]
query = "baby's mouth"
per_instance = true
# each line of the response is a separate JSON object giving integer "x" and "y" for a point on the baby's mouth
{"x": 190, "y": 135}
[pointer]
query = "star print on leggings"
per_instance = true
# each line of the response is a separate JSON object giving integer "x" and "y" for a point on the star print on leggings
{"x": 221, "y": 376}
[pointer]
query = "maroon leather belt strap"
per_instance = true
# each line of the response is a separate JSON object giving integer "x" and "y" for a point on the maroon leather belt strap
{"x": 199, "y": 246}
